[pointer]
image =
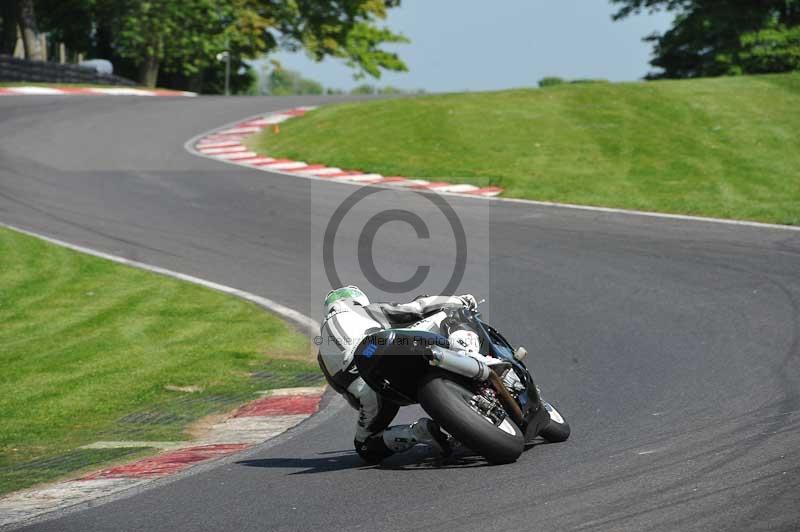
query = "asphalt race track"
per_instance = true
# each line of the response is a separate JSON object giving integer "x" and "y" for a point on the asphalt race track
{"x": 672, "y": 347}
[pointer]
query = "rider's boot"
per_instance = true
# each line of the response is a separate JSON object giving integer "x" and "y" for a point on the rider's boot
{"x": 403, "y": 437}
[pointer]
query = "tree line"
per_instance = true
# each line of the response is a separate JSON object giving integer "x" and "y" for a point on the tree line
{"x": 176, "y": 43}
{"x": 279, "y": 81}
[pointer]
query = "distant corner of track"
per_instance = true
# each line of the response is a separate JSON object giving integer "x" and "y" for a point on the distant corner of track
{"x": 225, "y": 144}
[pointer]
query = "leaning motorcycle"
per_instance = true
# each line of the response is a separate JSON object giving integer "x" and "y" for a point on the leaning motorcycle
{"x": 471, "y": 397}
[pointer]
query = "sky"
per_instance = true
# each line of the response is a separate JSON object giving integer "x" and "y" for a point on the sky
{"x": 480, "y": 45}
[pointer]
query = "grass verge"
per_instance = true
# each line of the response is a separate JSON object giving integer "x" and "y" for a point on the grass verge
{"x": 723, "y": 147}
{"x": 92, "y": 350}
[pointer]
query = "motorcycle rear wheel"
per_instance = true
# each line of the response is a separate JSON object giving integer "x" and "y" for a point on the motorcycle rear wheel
{"x": 448, "y": 403}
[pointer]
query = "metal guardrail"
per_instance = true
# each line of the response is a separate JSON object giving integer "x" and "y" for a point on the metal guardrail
{"x": 23, "y": 70}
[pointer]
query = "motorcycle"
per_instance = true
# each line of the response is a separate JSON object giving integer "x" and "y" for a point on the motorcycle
{"x": 470, "y": 396}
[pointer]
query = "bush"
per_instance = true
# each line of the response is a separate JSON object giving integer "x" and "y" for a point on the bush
{"x": 284, "y": 82}
{"x": 365, "y": 88}
{"x": 550, "y": 81}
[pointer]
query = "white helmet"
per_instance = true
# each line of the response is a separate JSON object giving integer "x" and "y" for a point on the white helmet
{"x": 348, "y": 294}
{"x": 343, "y": 326}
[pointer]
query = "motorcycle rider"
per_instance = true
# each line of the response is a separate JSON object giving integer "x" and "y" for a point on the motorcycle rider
{"x": 349, "y": 317}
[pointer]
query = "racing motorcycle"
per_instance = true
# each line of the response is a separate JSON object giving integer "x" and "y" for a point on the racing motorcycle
{"x": 473, "y": 397}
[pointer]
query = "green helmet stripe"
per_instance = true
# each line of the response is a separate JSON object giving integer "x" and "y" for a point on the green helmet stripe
{"x": 347, "y": 292}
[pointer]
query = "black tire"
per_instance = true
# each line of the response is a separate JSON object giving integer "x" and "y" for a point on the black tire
{"x": 447, "y": 402}
{"x": 557, "y": 429}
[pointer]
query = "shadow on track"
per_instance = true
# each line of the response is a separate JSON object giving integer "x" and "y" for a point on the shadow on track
{"x": 418, "y": 459}
{"x": 335, "y": 461}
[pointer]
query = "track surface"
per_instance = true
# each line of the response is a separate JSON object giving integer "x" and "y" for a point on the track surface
{"x": 671, "y": 347}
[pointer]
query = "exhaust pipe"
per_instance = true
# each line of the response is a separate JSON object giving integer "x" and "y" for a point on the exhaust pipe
{"x": 455, "y": 362}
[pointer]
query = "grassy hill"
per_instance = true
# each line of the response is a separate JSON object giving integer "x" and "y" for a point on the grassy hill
{"x": 725, "y": 147}
{"x": 91, "y": 350}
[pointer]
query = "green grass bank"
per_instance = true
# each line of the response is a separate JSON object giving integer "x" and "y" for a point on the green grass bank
{"x": 723, "y": 147}
{"x": 92, "y": 350}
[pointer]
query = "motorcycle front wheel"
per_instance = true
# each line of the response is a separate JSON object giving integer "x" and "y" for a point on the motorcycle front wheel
{"x": 557, "y": 429}
{"x": 449, "y": 403}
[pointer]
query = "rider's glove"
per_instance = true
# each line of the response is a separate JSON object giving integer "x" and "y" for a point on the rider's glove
{"x": 469, "y": 301}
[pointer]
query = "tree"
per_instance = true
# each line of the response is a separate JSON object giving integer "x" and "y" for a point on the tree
{"x": 284, "y": 82}
{"x": 771, "y": 50}
{"x": 719, "y": 37}
{"x": 72, "y": 22}
{"x": 8, "y": 28}
{"x": 178, "y": 40}
{"x": 361, "y": 51}
{"x": 26, "y": 18}
{"x": 343, "y": 29}
{"x": 180, "y": 36}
